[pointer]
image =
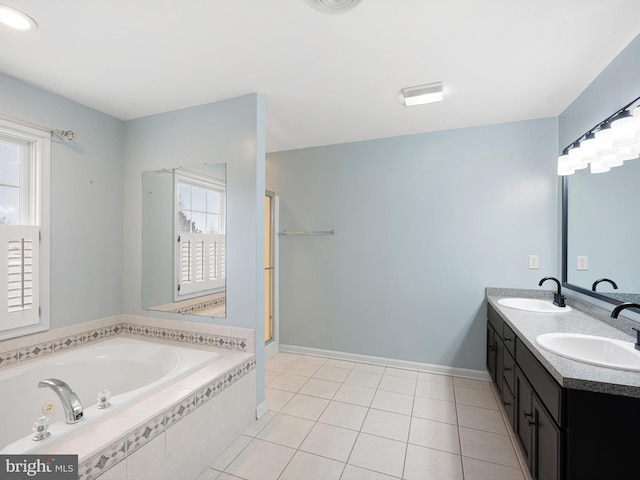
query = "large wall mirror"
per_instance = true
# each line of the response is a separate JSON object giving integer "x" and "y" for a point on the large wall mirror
{"x": 600, "y": 226}
{"x": 184, "y": 240}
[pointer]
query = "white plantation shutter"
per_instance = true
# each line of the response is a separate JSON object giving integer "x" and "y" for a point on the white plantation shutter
{"x": 202, "y": 262}
{"x": 19, "y": 279}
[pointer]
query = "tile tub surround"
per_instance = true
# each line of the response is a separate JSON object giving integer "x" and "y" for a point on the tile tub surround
{"x": 29, "y": 347}
{"x": 223, "y": 391}
{"x": 453, "y": 427}
{"x": 570, "y": 373}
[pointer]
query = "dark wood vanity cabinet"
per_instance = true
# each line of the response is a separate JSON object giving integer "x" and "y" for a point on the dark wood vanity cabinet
{"x": 564, "y": 434}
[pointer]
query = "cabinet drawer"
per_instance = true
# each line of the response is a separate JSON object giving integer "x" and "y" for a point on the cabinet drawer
{"x": 509, "y": 369}
{"x": 509, "y": 339}
{"x": 542, "y": 382}
{"x": 495, "y": 320}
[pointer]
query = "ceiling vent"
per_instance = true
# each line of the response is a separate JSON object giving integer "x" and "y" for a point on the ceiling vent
{"x": 333, "y": 6}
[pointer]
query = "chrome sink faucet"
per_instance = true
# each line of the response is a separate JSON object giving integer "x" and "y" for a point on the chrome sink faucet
{"x": 558, "y": 298}
{"x": 73, "y": 410}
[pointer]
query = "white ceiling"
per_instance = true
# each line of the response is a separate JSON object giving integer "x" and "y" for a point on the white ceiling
{"x": 327, "y": 78}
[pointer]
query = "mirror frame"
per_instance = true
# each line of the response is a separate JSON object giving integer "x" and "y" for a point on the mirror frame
{"x": 564, "y": 247}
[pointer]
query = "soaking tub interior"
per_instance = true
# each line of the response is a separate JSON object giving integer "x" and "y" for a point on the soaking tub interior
{"x": 130, "y": 368}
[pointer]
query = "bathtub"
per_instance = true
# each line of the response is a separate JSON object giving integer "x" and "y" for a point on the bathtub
{"x": 131, "y": 369}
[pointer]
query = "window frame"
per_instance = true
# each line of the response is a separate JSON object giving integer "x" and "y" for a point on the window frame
{"x": 39, "y": 177}
{"x": 209, "y": 183}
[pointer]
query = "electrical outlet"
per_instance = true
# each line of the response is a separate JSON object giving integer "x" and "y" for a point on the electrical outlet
{"x": 582, "y": 262}
{"x": 534, "y": 262}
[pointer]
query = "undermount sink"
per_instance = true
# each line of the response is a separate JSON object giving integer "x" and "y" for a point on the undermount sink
{"x": 533, "y": 305}
{"x": 601, "y": 351}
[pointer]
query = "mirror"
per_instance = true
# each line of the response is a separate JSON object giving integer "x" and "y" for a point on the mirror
{"x": 600, "y": 223}
{"x": 184, "y": 240}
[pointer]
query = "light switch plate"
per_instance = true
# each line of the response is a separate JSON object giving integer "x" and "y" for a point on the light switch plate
{"x": 534, "y": 262}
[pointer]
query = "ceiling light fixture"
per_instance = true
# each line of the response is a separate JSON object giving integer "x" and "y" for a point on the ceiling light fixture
{"x": 421, "y": 94}
{"x": 609, "y": 144}
{"x": 333, "y": 6}
{"x": 16, "y": 19}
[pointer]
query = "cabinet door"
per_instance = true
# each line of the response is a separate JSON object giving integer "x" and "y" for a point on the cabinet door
{"x": 545, "y": 463}
{"x": 523, "y": 414}
{"x": 500, "y": 352}
{"x": 491, "y": 352}
{"x": 508, "y": 402}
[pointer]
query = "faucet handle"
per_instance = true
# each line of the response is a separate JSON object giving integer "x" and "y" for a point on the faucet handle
{"x": 41, "y": 428}
{"x": 103, "y": 398}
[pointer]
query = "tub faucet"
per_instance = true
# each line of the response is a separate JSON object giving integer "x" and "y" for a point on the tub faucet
{"x": 70, "y": 402}
{"x": 558, "y": 298}
{"x": 600, "y": 280}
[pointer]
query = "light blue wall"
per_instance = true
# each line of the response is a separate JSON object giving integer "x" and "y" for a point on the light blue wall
{"x": 230, "y": 131}
{"x": 616, "y": 86}
{"x": 423, "y": 224}
{"x": 86, "y": 202}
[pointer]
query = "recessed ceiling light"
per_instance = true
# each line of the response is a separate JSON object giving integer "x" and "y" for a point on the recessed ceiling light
{"x": 16, "y": 19}
{"x": 333, "y": 6}
{"x": 421, "y": 94}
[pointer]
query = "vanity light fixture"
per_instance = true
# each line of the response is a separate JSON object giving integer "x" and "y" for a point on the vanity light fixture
{"x": 609, "y": 144}
{"x": 421, "y": 94}
{"x": 14, "y": 18}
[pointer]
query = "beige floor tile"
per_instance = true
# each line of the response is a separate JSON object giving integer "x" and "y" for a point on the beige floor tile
{"x": 475, "y": 469}
{"x": 378, "y": 454}
{"x": 277, "y": 365}
{"x": 481, "y": 419}
{"x": 261, "y": 461}
{"x": 305, "y": 406}
{"x": 333, "y": 374}
{"x": 209, "y": 474}
{"x": 435, "y": 378}
{"x": 303, "y": 369}
{"x": 330, "y": 441}
{"x": 312, "y": 467}
{"x": 392, "y": 402}
{"x": 398, "y": 384}
{"x": 491, "y": 447}
{"x": 367, "y": 367}
{"x": 320, "y": 388}
{"x": 435, "y": 410}
{"x": 354, "y": 394}
{"x": 351, "y": 472}
{"x": 276, "y": 399}
{"x": 436, "y": 391}
{"x": 340, "y": 364}
{"x": 387, "y": 424}
{"x": 226, "y": 476}
{"x": 427, "y": 464}
{"x": 344, "y": 415}
{"x": 287, "y": 356}
{"x": 269, "y": 376}
{"x": 286, "y": 430}
{"x": 289, "y": 383}
{"x": 230, "y": 453}
{"x": 476, "y": 397}
{"x": 313, "y": 359}
{"x": 363, "y": 379}
{"x": 255, "y": 426}
{"x": 435, "y": 435}
{"x": 472, "y": 383}
{"x": 401, "y": 372}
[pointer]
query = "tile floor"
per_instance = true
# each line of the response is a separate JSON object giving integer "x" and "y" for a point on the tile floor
{"x": 333, "y": 419}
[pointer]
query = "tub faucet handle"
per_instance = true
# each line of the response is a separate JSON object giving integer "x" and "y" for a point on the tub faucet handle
{"x": 41, "y": 428}
{"x": 103, "y": 398}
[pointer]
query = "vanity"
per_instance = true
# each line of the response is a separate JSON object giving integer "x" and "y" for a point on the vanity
{"x": 572, "y": 420}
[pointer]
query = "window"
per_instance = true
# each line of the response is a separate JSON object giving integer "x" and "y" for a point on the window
{"x": 200, "y": 225}
{"x": 24, "y": 220}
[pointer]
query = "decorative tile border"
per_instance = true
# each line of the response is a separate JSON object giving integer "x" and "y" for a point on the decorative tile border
{"x": 197, "y": 307}
{"x": 124, "y": 446}
{"x": 57, "y": 345}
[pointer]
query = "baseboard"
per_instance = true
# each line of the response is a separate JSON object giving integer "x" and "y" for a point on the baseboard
{"x": 262, "y": 409}
{"x": 389, "y": 362}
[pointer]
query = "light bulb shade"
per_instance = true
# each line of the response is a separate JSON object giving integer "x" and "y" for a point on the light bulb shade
{"x": 630, "y": 152}
{"x": 604, "y": 142}
{"x": 612, "y": 160}
{"x": 564, "y": 166}
{"x": 599, "y": 167}
{"x": 588, "y": 147}
{"x": 14, "y": 18}
{"x": 624, "y": 130}
{"x": 429, "y": 93}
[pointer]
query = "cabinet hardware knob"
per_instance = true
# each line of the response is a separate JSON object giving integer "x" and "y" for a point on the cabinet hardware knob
{"x": 531, "y": 423}
{"x": 508, "y": 339}
{"x": 507, "y": 369}
{"x": 492, "y": 348}
{"x": 527, "y": 415}
{"x": 506, "y": 403}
